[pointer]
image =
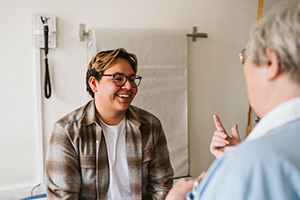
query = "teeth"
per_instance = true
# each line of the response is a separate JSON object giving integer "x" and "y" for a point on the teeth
{"x": 123, "y": 95}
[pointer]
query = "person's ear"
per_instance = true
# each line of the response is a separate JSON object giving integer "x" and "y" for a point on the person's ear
{"x": 273, "y": 65}
{"x": 93, "y": 83}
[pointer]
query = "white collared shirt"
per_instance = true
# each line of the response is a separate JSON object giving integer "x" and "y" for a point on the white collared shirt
{"x": 282, "y": 114}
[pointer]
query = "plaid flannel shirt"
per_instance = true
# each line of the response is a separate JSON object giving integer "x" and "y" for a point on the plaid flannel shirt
{"x": 77, "y": 162}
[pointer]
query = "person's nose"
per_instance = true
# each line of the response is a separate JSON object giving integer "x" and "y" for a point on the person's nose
{"x": 127, "y": 85}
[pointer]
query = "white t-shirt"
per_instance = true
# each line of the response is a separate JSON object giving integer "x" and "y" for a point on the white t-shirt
{"x": 119, "y": 187}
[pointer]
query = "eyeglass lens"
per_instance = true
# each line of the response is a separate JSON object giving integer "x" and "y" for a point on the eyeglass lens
{"x": 120, "y": 80}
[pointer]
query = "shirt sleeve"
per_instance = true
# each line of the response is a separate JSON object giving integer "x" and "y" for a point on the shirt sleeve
{"x": 62, "y": 167}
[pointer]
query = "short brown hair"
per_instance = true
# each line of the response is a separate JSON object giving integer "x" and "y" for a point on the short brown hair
{"x": 103, "y": 61}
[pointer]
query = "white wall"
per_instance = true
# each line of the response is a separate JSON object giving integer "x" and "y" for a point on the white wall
{"x": 215, "y": 78}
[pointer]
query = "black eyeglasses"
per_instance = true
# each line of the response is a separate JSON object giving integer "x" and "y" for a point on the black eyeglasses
{"x": 243, "y": 56}
{"x": 121, "y": 79}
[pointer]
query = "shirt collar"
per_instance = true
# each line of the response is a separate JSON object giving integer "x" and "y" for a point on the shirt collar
{"x": 281, "y": 115}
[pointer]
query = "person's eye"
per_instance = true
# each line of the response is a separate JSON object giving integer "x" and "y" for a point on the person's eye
{"x": 118, "y": 79}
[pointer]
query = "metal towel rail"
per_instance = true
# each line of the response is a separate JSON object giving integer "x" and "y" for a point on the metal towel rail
{"x": 194, "y": 35}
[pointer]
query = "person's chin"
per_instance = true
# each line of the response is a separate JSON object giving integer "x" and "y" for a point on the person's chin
{"x": 123, "y": 106}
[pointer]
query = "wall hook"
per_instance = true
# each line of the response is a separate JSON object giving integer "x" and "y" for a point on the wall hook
{"x": 195, "y": 35}
{"x": 82, "y": 33}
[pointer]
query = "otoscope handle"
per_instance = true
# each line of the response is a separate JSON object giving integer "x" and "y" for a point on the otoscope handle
{"x": 46, "y": 32}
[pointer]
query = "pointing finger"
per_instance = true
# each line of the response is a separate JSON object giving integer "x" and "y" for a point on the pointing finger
{"x": 218, "y": 123}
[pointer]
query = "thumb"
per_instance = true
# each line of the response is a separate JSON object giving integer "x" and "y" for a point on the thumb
{"x": 235, "y": 134}
{"x": 200, "y": 177}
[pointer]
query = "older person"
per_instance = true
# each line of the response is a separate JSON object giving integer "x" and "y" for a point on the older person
{"x": 109, "y": 149}
{"x": 265, "y": 166}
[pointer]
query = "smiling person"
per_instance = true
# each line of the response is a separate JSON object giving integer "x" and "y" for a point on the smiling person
{"x": 266, "y": 165}
{"x": 109, "y": 149}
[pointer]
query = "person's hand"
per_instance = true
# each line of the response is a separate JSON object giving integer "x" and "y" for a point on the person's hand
{"x": 221, "y": 139}
{"x": 182, "y": 187}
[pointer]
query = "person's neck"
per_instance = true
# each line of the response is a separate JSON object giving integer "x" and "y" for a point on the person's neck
{"x": 110, "y": 118}
{"x": 284, "y": 91}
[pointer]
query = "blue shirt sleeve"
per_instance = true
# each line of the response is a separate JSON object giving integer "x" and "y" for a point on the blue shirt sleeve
{"x": 189, "y": 195}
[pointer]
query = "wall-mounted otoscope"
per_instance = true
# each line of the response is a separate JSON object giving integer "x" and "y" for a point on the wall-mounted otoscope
{"x": 47, "y": 84}
{"x": 44, "y": 32}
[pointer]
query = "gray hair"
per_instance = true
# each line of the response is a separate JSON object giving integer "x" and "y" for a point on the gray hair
{"x": 280, "y": 32}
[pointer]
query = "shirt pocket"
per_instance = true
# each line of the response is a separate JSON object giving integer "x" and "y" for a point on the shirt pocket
{"x": 88, "y": 176}
{"x": 148, "y": 155}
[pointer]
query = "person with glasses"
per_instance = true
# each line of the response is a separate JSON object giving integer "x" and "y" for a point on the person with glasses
{"x": 109, "y": 149}
{"x": 266, "y": 165}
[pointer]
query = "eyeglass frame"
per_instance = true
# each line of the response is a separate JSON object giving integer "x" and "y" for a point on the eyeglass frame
{"x": 126, "y": 78}
{"x": 243, "y": 56}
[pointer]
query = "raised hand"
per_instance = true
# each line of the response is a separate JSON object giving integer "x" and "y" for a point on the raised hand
{"x": 221, "y": 139}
